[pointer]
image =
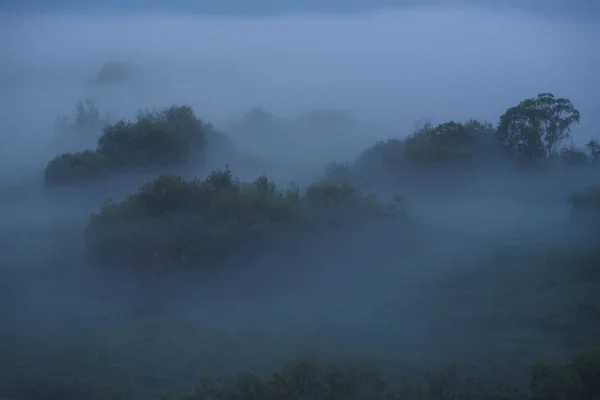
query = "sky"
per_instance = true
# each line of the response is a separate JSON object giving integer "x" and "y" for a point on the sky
{"x": 395, "y": 66}
{"x": 560, "y": 8}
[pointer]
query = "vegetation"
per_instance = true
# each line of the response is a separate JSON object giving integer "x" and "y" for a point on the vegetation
{"x": 535, "y": 129}
{"x": 82, "y": 167}
{"x": 575, "y": 379}
{"x": 154, "y": 141}
{"x": 171, "y": 223}
{"x": 447, "y": 145}
{"x": 169, "y": 137}
{"x": 176, "y": 222}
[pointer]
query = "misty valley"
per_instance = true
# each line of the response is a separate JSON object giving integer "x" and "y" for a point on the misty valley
{"x": 200, "y": 208}
{"x": 445, "y": 263}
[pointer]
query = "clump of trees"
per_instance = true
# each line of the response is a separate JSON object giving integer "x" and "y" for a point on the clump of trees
{"x": 172, "y": 221}
{"x": 441, "y": 151}
{"x": 187, "y": 222}
{"x": 534, "y": 132}
{"x": 153, "y": 141}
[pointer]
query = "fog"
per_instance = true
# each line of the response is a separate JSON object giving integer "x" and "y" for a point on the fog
{"x": 466, "y": 287}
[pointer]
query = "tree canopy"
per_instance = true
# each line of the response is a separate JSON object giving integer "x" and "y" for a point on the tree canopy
{"x": 536, "y": 128}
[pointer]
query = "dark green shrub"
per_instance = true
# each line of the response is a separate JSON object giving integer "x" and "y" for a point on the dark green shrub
{"x": 155, "y": 139}
{"x": 75, "y": 168}
{"x": 173, "y": 221}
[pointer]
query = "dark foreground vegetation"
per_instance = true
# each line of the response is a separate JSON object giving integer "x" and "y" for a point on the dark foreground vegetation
{"x": 575, "y": 379}
{"x": 173, "y": 222}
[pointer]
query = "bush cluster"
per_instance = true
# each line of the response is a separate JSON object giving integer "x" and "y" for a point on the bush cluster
{"x": 155, "y": 140}
{"x": 174, "y": 221}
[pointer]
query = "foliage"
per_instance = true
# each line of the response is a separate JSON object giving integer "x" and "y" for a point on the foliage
{"x": 536, "y": 127}
{"x": 81, "y": 167}
{"x": 155, "y": 140}
{"x": 163, "y": 138}
{"x": 173, "y": 221}
{"x": 443, "y": 148}
{"x": 445, "y": 143}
